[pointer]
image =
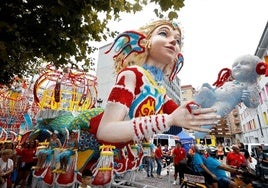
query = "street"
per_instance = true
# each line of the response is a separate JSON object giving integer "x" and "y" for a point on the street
{"x": 139, "y": 179}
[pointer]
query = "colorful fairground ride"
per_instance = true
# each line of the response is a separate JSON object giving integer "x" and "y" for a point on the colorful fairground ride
{"x": 65, "y": 99}
{"x": 58, "y": 100}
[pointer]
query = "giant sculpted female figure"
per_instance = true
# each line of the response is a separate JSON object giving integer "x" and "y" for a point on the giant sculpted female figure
{"x": 138, "y": 105}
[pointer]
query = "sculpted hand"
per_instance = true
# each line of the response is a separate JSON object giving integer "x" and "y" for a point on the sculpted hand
{"x": 199, "y": 116}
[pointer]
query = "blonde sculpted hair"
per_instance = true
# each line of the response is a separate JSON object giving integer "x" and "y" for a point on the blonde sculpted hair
{"x": 124, "y": 58}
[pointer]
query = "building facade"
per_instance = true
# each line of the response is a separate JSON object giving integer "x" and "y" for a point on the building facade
{"x": 254, "y": 122}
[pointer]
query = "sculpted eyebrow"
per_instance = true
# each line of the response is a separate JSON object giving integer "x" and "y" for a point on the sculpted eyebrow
{"x": 164, "y": 28}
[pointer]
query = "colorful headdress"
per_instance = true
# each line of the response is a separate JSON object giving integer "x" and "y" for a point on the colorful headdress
{"x": 124, "y": 45}
{"x": 130, "y": 48}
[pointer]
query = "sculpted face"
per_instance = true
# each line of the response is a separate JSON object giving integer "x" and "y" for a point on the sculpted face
{"x": 165, "y": 45}
{"x": 244, "y": 69}
{"x": 241, "y": 70}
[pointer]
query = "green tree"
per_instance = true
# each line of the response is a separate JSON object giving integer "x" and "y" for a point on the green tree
{"x": 53, "y": 31}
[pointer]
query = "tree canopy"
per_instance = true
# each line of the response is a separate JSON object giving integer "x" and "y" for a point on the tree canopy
{"x": 60, "y": 31}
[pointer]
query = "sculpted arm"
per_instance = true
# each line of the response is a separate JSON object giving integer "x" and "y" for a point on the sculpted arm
{"x": 114, "y": 128}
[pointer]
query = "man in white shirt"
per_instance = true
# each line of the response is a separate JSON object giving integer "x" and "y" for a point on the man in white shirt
{"x": 6, "y": 167}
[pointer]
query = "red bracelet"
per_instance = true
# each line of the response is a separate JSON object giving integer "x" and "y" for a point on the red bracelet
{"x": 191, "y": 104}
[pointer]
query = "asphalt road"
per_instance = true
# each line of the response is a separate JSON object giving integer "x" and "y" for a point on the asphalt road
{"x": 139, "y": 179}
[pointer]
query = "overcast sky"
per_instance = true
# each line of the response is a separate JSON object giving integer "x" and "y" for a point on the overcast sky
{"x": 215, "y": 33}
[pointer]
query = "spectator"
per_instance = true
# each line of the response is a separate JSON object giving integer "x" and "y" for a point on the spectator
{"x": 6, "y": 167}
{"x": 179, "y": 160}
{"x": 158, "y": 157}
{"x": 10, "y": 145}
{"x": 167, "y": 157}
{"x": 220, "y": 151}
{"x": 235, "y": 158}
{"x": 191, "y": 150}
{"x": 190, "y": 156}
{"x": 244, "y": 151}
{"x": 86, "y": 179}
{"x": 27, "y": 161}
{"x": 149, "y": 155}
{"x": 165, "y": 149}
{"x": 262, "y": 165}
{"x": 200, "y": 168}
{"x": 219, "y": 169}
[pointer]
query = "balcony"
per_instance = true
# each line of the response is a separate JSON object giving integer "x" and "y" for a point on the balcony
{"x": 237, "y": 131}
{"x": 237, "y": 121}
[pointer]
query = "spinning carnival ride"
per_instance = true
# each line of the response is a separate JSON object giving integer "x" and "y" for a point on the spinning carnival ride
{"x": 64, "y": 98}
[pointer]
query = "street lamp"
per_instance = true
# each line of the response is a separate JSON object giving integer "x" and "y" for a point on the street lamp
{"x": 99, "y": 102}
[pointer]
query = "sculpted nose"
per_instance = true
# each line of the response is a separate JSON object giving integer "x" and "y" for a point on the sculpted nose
{"x": 173, "y": 41}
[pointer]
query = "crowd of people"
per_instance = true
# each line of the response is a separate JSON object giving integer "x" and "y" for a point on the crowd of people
{"x": 217, "y": 167}
{"x": 18, "y": 161}
{"x": 162, "y": 157}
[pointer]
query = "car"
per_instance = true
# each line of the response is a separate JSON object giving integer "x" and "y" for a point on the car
{"x": 165, "y": 139}
{"x": 252, "y": 148}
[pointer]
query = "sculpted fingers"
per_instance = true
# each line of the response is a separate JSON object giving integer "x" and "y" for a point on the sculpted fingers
{"x": 206, "y": 119}
{"x": 197, "y": 128}
{"x": 199, "y": 111}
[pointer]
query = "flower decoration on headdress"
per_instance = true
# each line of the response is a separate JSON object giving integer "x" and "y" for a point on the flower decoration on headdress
{"x": 175, "y": 25}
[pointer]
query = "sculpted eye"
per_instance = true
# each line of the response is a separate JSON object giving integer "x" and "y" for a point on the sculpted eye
{"x": 178, "y": 41}
{"x": 163, "y": 33}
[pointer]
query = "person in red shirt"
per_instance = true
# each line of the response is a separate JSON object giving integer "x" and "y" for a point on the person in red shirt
{"x": 179, "y": 159}
{"x": 158, "y": 157}
{"x": 27, "y": 161}
{"x": 235, "y": 158}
